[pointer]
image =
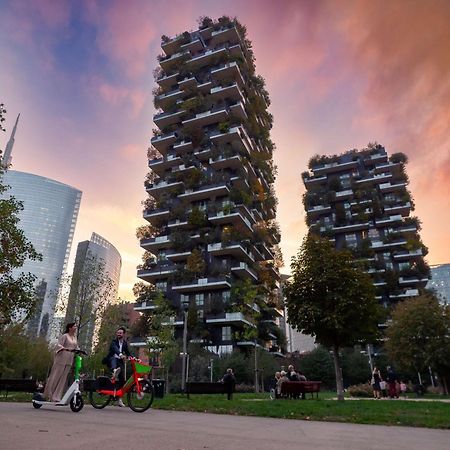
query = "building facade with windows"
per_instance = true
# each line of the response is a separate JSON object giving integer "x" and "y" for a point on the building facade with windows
{"x": 212, "y": 240}
{"x": 48, "y": 220}
{"x": 440, "y": 282}
{"x": 360, "y": 201}
{"x": 96, "y": 275}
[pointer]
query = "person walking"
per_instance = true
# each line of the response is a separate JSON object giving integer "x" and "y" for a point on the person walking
{"x": 229, "y": 380}
{"x": 56, "y": 384}
{"x": 376, "y": 380}
{"x": 391, "y": 379}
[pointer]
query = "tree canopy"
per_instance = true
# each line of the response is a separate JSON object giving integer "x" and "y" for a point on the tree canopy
{"x": 330, "y": 298}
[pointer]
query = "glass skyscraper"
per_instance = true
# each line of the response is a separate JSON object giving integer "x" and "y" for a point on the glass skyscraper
{"x": 440, "y": 282}
{"x": 48, "y": 221}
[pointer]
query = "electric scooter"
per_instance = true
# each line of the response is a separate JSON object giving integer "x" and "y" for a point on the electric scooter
{"x": 73, "y": 396}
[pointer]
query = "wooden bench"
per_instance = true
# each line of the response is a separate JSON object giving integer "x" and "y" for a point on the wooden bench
{"x": 18, "y": 385}
{"x": 296, "y": 388}
{"x": 200, "y": 387}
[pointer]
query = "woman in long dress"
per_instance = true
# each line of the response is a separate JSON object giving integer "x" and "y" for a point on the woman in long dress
{"x": 57, "y": 381}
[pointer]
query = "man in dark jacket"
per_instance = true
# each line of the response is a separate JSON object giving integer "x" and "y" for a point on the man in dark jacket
{"x": 229, "y": 381}
{"x": 118, "y": 351}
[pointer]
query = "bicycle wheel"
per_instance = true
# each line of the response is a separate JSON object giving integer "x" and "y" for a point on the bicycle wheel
{"x": 141, "y": 401}
{"x": 76, "y": 403}
{"x": 98, "y": 400}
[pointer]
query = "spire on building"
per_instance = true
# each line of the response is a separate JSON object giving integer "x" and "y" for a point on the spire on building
{"x": 7, "y": 157}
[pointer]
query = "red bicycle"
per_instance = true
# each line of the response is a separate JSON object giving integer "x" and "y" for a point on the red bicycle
{"x": 138, "y": 387}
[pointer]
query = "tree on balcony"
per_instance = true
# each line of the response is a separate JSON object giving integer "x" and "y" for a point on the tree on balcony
{"x": 195, "y": 263}
{"x": 197, "y": 219}
{"x": 147, "y": 231}
{"x": 331, "y": 299}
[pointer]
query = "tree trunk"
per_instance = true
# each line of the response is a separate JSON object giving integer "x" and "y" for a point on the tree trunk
{"x": 338, "y": 372}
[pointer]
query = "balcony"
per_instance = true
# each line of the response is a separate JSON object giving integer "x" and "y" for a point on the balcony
{"x": 144, "y": 306}
{"x": 156, "y": 213}
{"x": 165, "y": 119}
{"x": 177, "y": 223}
{"x": 167, "y": 81}
{"x": 232, "y": 248}
{"x": 156, "y": 243}
{"x": 164, "y": 100}
{"x": 152, "y": 275}
{"x": 228, "y": 70}
{"x": 404, "y": 255}
{"x": 388, "y": 187}
{"x": 178, "y": 256}
{"x": 314, "y": 180}
{"x": 156, "y": 189}
{"x": 380, "y": 244}
{"x": 318, "y": 210}
{"x": 403, "y": 209}
{"x": 233, "y": 216}
{"x": 203, "y": 154}
{"x": 377, "y": 157}
{"x": 389, "y": 220}
{"x": 193, "y": 47}
{"x": 231, "y": 92}
{"x": 207, "y": 191}
{"x": 235, "y": 318}
{"x": 342, "y": 195}
{"x": 205, "y": 58}
{"x": 229, "y": 35}
{"x": 208, "y": 117}
{"x": 375, "y": 179}
{"x": 226, "y": 162}
{"x": 408, "y": 281}
{"x": 170, "y": 61}
{"x": 188, "y": 83}
{"x": 384, "y": 167}
{"x": 352, "y": 227}
{"x": 183, "y": 147}
{"x": 406, "y": 293}
{"x": 334, "y": 167}
{"x": 238, "y": 110}
{"x": 160, "y": 165}
{"x": 163, "y": 142}
{"x": 244, "y": 271}
{"x": 204, "y": 284}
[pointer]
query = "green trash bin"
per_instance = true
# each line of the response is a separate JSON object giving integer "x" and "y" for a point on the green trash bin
{"x": 159, "y": 387}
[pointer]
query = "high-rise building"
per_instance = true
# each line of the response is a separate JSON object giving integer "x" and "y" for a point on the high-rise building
{"x": 96, "y": 276}
{"x": 360, "y": 201}
{"x": 440, "y": 282}
{"x": 212, "y": 239}
{"x": 48, "y": 220}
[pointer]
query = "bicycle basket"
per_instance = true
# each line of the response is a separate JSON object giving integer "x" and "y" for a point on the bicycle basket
{"x": 142, "y": 369}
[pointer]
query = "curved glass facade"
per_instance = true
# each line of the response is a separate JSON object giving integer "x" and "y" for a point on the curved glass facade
{"x": 48, "y": 221}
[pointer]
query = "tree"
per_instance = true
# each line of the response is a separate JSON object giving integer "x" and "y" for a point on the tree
{"x": 419, "y": 335}
{"x": 16, "y": 292}
{"x": 84, "y": 297}
{"x": 331, "y": 299}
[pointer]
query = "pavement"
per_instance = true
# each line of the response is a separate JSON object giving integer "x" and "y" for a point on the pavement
{"x": 23, "y": 427}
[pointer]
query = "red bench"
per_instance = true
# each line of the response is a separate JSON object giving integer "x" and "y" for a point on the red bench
{"x": 296, "y": 388}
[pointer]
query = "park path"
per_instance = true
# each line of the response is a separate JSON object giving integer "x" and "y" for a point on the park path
{"x": 23, "y": 427}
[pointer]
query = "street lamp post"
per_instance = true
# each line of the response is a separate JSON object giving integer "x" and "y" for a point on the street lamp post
{"x": 185, "y": 306}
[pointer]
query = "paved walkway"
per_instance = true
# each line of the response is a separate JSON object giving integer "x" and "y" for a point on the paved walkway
{"x": 23, "y": 427}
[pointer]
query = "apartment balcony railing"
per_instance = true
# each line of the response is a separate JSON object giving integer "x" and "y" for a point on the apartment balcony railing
{"x": 207, "y": 191}
{"x": 144, "y": 306}
{"x": 165, "y": 119}
{"x": 206, "y": 57}
{"x": 232, "y": 92}
{"x": 230, "y": 35}
{"x": 203, "y": 284}
{"x": 193, "y": 46}
{"x": 156, "y": 189}
{"x": 380, "y": 244}
{"x": 178, "y": 256}
{"x": 227, "y": 70}
{"x": 383, "y": 167}
{"x": 377, "y": 157}
{"x": 352, "y": 227}
{"x": 168, "y": 62}
{"x": 188, "y": 83}
{"x": 153, "y": 213}
{"x": 156, "y": 243}
{"x": 208, "y": 117}
{"x": 164, "y": 141}
{"x": 168, "y": 98}
{"x": 167, "y": 80}
{"x": 182, "y": 147}
{"x": 152, "y": 275}
{"x": 408, "y": 254}
{"x": 314, "y": 180}
{"x": 387, "y": 187}
{"x": 233, "y": 318}
{"x": 160, "y": 165}
{"x": 177, "y": 224}
{"x": 334, "y": 167}
{"x": 406, "y": 293}
{"x": 389, "y": 220}
{"x": 233, "y": 216}
{"x": 232, "y": 248}
{"x": 226, "y": 162}
{"x": 341, "y": 195}
{"x": 375, "y": 179}
{"x": 403, "y": 209}
{"x": 244, "y": 271}
{"x": 412, "y": 280}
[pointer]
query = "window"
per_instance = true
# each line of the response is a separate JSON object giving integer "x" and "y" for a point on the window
{"x": 403, "y": 266}
{"x": 226, "y": 296}
{"x": 374, "y": 233}
{"x": 350, "y": 240}
{"x": 226, "y": 333}
{"x": 200, "y": 300}
{"x": 161, "y": 285}
{"x": 162, "y": 256}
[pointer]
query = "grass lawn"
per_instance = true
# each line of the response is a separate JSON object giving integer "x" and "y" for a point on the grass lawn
{"x": 430, "y": 414}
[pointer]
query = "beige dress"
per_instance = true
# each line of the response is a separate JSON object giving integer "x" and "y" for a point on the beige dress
{"x": 57, "y": 381}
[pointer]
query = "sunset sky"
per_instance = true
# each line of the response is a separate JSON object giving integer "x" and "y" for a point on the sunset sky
{"x": 339, "y": 73}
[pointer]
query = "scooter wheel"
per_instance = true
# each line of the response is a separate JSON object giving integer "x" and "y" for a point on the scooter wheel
{"x": 37, "y": 405}
{"x": 76, "y": 403}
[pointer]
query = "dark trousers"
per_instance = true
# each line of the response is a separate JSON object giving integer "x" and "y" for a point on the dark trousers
{"x": 229, "y": 391}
